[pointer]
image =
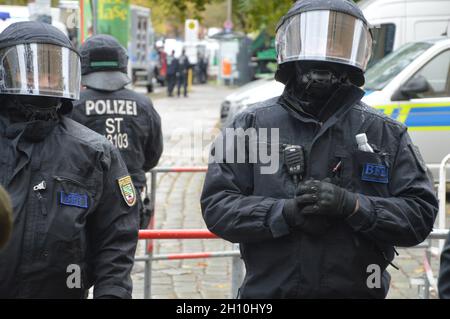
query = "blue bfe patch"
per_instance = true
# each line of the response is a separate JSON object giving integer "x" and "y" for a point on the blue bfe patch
{"x": 375, "y": 173}
{"x": 73, "y": 199}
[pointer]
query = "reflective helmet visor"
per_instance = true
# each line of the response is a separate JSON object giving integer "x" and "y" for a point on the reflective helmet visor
{"x": 40, "y": 69}
{"x": 324, "y": 35}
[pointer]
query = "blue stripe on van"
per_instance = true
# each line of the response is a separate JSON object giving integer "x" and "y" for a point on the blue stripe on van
{"x": 428, "y": 116}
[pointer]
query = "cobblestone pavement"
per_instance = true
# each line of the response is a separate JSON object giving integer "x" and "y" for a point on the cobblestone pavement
{"x": 187, "y": 125}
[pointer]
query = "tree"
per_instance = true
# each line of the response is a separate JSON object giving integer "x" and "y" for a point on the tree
{"x": 168, "y": 16}
{"x": 254, "y": 15}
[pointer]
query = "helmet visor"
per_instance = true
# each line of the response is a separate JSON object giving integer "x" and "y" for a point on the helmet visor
{"x": 40, "y": 69}
{"x": 324, "y": 36}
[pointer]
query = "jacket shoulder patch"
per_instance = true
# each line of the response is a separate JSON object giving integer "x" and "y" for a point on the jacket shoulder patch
{"x": 127, "y": 190}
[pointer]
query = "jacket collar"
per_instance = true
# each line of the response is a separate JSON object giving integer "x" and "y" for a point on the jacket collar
{"x": 339, "y": 104}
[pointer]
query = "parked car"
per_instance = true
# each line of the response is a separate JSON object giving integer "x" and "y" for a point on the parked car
{"x": 253, "y": 92}
{"x": 412, "y": 85}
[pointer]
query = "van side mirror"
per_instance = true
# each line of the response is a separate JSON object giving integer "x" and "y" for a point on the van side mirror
{"x": 411, "y": 89}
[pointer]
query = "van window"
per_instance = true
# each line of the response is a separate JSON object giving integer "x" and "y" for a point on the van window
{"x": 382, "y": 73}
{"x": 383, "y": 42}
{"x": 437, "y": 74}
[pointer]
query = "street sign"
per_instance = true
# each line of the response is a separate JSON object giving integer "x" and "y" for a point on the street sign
{"x": 191, "y": 29}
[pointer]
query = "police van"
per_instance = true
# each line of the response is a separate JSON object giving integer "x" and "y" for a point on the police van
{"x": 412, "y": 85}
{"x": 396, "y": 22}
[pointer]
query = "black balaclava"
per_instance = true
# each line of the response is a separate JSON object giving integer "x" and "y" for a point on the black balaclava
{"x": 313, "y": 84}
{"x": 33, "y": 117}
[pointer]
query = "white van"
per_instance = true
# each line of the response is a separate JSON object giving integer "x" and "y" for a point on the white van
{"x": 397, "y": 22}
{"x": 22, "y": 13}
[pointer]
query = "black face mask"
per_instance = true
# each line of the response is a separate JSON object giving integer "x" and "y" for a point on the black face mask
{"x": 33, "y": 108}
{"x": 318, "y": 81}
{"x": 33, "y": 117}
{"x": 313, "y": 85}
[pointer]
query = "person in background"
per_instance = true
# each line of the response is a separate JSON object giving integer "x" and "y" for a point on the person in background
{"x": 184, "y": 66}
{"x": 74, "y": 203}
{"x": 172, "y": 73}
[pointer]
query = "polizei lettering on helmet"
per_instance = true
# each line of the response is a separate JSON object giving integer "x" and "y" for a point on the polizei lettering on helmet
{"x": 111, "y": 107}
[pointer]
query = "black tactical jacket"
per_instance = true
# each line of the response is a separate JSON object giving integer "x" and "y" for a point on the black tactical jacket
{"x": 70, "y": 215}
{"x": 397, "y": 202}
{"x": 129, "y": 121}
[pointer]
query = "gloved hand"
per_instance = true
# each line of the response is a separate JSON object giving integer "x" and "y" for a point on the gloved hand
{"x": 5, "y": 217}
{"x": 331, "y": 200}
{"x": 312, "y": 225}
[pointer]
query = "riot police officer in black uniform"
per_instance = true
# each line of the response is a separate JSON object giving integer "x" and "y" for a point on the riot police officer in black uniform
{"x": 127, "y": 119}
{"x": 324, "y": 222}
{"x": 75, "y": 214}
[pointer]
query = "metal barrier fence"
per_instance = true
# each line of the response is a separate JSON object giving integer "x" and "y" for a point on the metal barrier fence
{"x": 151, "y": 234}
{"x": 429, "y": 281}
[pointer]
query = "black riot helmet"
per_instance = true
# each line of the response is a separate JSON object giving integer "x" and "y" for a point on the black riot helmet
{"x": 37, "y": 61}
{"x": 104, "y": 63}
{"x": 328, "y": 31}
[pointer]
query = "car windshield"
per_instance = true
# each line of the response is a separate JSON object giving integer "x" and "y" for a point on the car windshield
{"x": 382, "y": 72}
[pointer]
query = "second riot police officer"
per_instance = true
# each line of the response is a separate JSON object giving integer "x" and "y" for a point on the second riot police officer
{"x": 75, "y": 216}
{"x": 350, "y": 184}
{"x": 127, "y": 119}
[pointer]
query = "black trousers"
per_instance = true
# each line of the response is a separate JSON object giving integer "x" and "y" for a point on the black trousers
{"x": 171, "y": 82}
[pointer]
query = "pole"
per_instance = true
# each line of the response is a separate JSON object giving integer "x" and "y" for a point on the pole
{"x": 442, "y": 192}
{"x": 189, "y": 79}
{"x": 82, "y": 35}
{"x": 427, "y": 284}
{"x": 149, "y": 243}
{"x": 94, "y": 17}
{"x": 230, "y": 10}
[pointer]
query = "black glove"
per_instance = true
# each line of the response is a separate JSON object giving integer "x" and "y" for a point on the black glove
{"x": 332, "y": 200}
{"x": 312, "y": 225}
